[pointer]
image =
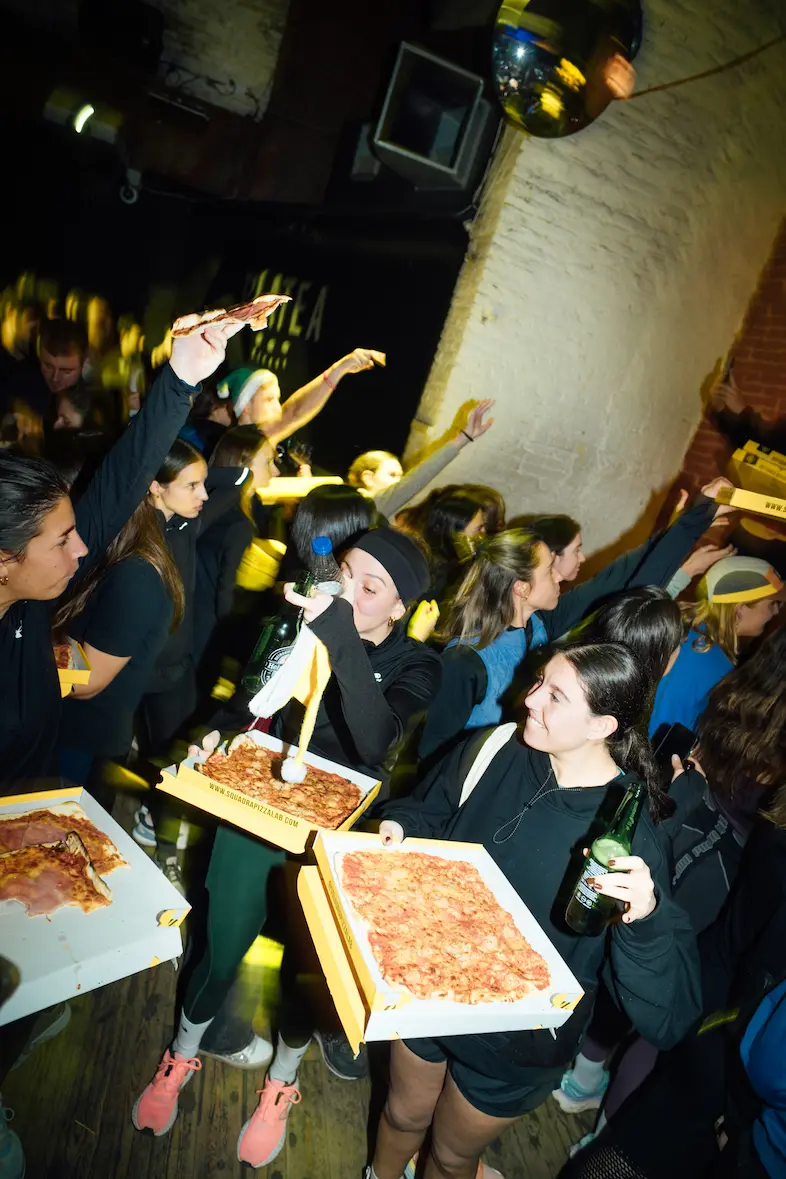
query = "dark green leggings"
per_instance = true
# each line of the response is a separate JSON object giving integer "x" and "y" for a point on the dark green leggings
{"x": 237, "y": 881}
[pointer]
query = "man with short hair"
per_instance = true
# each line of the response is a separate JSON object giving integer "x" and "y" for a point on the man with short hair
{"x": 62, "y": 347}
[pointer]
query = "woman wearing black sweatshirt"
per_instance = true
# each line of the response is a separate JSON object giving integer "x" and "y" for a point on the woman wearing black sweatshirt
{"x": 380, "y": 679}
{"x": 535, "y": 808}
{"x": 43, "y": 539}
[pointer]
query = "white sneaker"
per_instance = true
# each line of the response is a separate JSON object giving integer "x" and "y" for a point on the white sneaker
{"x": 143, "y": 831}
{"x": 256, "y": 1054}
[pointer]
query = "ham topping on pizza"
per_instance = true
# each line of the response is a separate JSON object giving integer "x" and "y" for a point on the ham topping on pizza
{"x": 55, "y": 823}
{"x": 47, "y": 876}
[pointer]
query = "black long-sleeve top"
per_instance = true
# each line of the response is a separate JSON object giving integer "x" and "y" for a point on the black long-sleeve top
{"x": 30, "y": 701}
{"x": 650, "y": 966}
{"x": 373, "y": 693}
{"x": 464, "y": 680}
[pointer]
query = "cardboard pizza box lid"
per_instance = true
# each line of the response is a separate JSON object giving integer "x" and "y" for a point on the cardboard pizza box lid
{"x": 272, "y": 824}
{"x": 70, "y": 952}
{"x": 285, "y": 488}
{"x": 391, "y": 1012}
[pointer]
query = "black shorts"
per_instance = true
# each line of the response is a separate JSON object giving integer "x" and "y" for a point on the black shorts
{"x": 498, "y": 1098}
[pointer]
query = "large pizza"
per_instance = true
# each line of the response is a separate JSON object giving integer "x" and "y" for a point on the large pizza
{"x": 45, "y": 876}
{"x": 55, "y": 823}
{"x": 323, "y": 799}
{"x": 436, "y": 929}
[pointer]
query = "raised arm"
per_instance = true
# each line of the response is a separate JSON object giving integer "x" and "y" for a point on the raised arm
{"x": 305, "y": 404}
{"x": 124, "y": 476}
{"x": 376, "y": 719}
{"x": 653, "y": 563}
{"x": 466, "y": 429}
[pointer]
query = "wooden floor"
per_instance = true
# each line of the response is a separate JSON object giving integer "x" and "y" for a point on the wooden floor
{"x": 73, "y": 1099}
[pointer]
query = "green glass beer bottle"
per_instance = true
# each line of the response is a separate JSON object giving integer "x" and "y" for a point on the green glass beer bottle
{"x": 588, "y": 912}
{"x": 276, "y": 640}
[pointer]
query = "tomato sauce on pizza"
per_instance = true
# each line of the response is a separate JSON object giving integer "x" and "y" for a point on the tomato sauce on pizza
{"x": 436, "y": 929}
{"x": 323, "y": 799}
{"x": 44, "y": 877}
{"x": 54, "y": 824}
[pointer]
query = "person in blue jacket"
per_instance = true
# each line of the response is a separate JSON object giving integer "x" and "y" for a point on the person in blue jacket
{"x": 737, "y": 598}
{"x": 509, "y": 604}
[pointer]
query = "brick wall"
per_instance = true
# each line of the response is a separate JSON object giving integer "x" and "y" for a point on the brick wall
{"x": 759, "y": 370}
{"x": 609, "y": 273}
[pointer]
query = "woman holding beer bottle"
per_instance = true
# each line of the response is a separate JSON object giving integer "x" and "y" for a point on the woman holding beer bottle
{"x": 580, "y": 769}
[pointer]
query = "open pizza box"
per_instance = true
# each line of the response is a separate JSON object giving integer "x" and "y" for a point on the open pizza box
{"x": 70, "y": 952}
{"x": 371, "y": 1009}
{"x": 78, "y": 670}
{"x": 250, "y": 814}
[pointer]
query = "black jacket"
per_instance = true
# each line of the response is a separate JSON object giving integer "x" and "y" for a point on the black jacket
{"x": 650, "y": 966}
{"x": 181, "y": 535}
{"x": 747, "y": 426}
{"x": 371, "y": 698}
{"x": 29, "y": 689}
{"x": 464, "y": 680}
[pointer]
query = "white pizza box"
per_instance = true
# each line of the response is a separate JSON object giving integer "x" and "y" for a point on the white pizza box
{"x": 77, "y": 673}
{"x": 272, "y": 824}
{"x": 369, "y": 1008}
{"x": 70, "y": 952}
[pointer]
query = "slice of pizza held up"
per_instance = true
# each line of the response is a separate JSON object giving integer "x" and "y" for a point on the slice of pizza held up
{"x": 54, "y": 824}
{"x": 46, "y": 876}
{"x": 435, "y": 928}
{"x": 255, "y": 313}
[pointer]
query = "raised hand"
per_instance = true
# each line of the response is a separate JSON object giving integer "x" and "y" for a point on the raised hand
{"x": 711, "y": 490}
{"x": 359, "y": 360}
{"x": 197, "y": 356}
{"x": 704, "y": 558}
{"x": 475, "y": 426}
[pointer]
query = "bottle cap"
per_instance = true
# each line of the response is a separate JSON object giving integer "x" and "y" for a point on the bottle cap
{"x": 322, "y": 546}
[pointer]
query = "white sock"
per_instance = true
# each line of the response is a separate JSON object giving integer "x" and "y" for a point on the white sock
{"x": 588, "y": 1074}
{"x": 286, "y": 1062}
{"x": 189, "y": 1037}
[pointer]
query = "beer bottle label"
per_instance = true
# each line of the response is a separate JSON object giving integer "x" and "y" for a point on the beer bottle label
{"x": 584, "y": 893}
{"x": 276, "y": 661}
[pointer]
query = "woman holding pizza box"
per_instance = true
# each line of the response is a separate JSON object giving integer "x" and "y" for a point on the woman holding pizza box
{"x": 46, "y": 544}
{"x": 380, "y": 680}
{"x": 533, "y": 809}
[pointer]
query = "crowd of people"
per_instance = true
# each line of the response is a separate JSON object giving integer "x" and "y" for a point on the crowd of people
{"x": 128, "y": 511}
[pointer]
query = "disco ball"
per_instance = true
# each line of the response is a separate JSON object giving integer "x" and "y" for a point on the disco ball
{"x": 551, "y": 60}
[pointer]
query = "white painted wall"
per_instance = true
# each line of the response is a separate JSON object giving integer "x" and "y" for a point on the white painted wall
{"x": 610, "y": 270}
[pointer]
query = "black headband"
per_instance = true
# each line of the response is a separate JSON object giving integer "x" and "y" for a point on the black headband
{"x": 402, "y": 559}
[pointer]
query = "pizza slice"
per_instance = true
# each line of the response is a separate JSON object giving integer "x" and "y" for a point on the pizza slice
{"x": 54, "y": 824}
{"x": 64, "y": 656}
{"x": 46, "y": 876}
{"x": 255, "y": 313}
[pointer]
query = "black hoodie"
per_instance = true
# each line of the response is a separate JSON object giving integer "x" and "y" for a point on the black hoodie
{"x": 650, "y": 966}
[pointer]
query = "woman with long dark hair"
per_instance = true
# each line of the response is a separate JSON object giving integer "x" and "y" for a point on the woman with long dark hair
{"x": 509, "y": 604}
{"x": 562, "y": 534}
{"x": 533, "y": 809}
{"x": 121, "y": 613}
{"x": 43, "y": 539}
{"x": 212, "y": 415}
{"x": 449, "y": 520}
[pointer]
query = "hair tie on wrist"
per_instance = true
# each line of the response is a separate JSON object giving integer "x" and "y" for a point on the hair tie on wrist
{"x": 330, "y": 384}
{"x": 467, "y": 436}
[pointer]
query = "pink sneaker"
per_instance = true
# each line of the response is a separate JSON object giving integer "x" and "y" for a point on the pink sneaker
{"x": 263, "y": 1135}
{"x": 156, "y": 1109}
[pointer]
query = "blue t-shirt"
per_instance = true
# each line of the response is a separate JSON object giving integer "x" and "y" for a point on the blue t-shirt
{"x": 682, "y": 694}
{"x": 763, "y": 1052}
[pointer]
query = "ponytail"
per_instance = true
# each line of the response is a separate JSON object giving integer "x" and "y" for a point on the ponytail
{"x": 633, "y": 752}
{"x": 482, "y": 608}
{"x": 616, "y": 684}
